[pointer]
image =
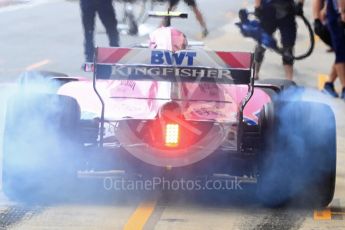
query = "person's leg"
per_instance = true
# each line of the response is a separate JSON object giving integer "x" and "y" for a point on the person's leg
{"x": 340, "y": 69}
{"x": 198, "y": 16}
{"x": 340, "y": 57}
{"x": 328, "y": 88}
{"x": 107, "y": 15}
{"x": 288, "y": 30}
{"x": 172, "y": 6}
{"x": 88, "y": 19}
{"x": 288, "y": 71}
{"x": 338, "y": 43}
{"x": 259, "y": 55}
{"x": 333, "y": 74}
{"x": 269, "y": 25}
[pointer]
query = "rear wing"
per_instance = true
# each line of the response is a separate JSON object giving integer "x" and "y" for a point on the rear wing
{"x": 182, "y": 66}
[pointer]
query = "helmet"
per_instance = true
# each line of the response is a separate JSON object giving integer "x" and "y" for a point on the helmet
{"x": 168, "y": 38}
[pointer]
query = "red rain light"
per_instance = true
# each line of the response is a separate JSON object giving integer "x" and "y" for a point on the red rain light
{"x": 172, "y": 134}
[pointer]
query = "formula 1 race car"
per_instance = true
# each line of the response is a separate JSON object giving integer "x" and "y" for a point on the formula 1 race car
{"x": 180, "y": 113}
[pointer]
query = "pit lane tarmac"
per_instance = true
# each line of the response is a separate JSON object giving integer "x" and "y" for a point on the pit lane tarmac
{"x": 168, "y": 211}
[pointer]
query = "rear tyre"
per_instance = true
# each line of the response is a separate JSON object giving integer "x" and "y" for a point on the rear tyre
{"x": 40, "y": 146}
{"x": 42, "y": 81}
{"x": 299, "y": 164}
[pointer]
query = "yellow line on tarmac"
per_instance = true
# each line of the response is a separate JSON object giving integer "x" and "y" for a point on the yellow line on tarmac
{"x": 316, "y": 38}
{"x": 326, "y": 214}
{"x": 38, "y": 64}
{"x": 322, "y": 78}
{"x": 338, "y": 213}
{"x": 323, "y": 214}
{"x": 140, "y": 216}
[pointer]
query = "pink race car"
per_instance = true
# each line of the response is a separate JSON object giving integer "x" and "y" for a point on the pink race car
{"x": 173, "y": 112}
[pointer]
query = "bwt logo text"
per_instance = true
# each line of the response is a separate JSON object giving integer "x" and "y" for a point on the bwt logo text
{"x": 166, "y": 57}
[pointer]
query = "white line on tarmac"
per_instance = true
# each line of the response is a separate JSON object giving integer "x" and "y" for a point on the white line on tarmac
{"x": 29, "y": 4}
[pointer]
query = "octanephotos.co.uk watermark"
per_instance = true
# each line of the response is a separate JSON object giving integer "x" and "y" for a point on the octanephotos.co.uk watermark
{"x": 164, "y": 184}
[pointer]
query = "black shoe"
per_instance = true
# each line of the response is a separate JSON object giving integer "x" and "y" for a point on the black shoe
{"x": 329, "y": 89}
